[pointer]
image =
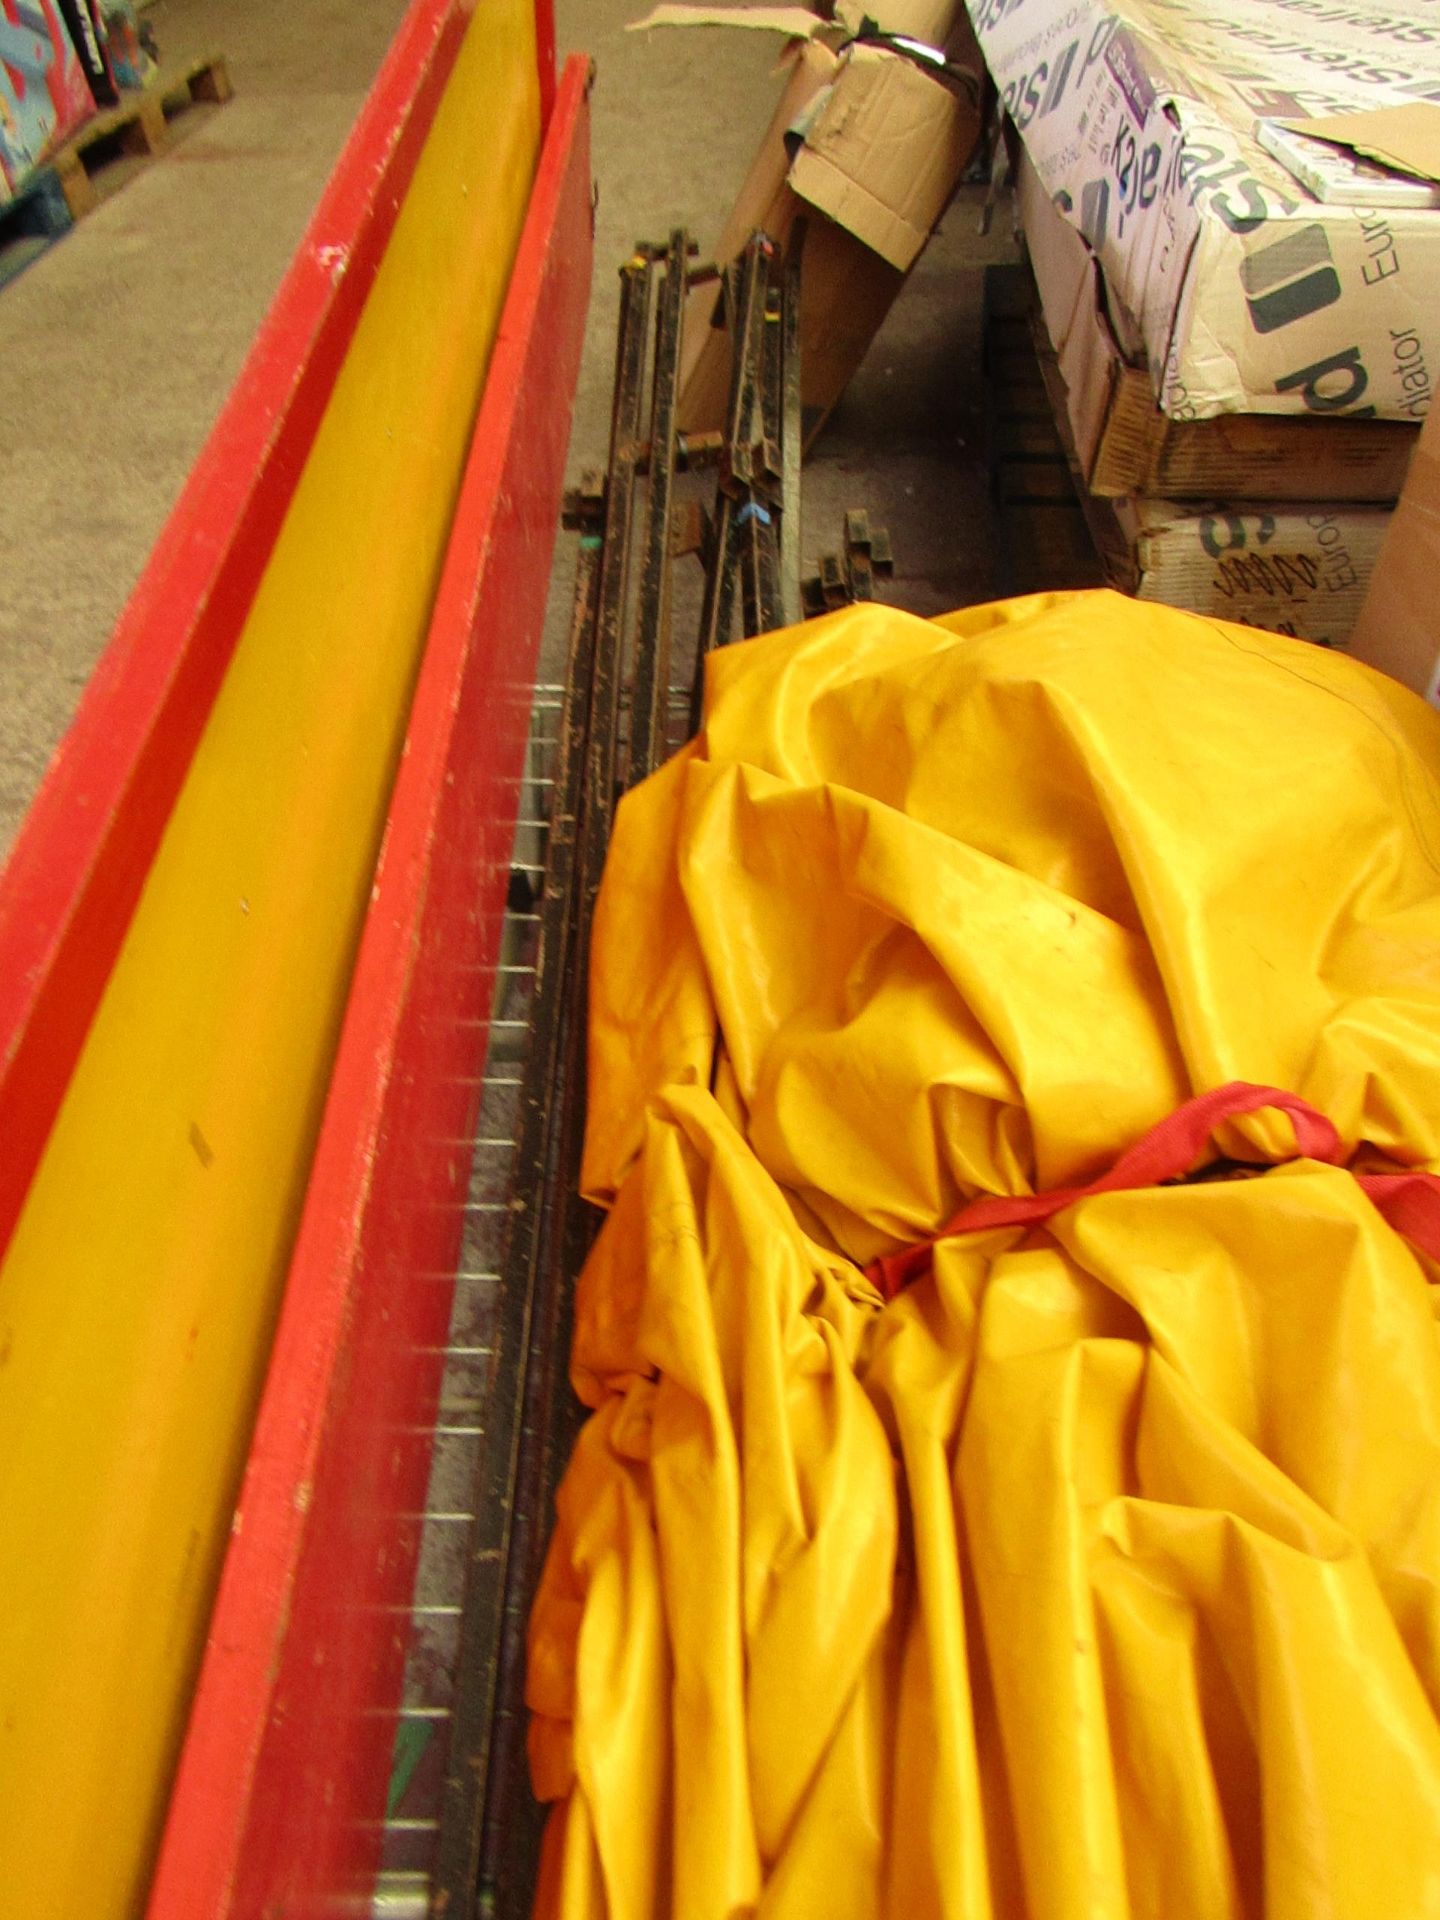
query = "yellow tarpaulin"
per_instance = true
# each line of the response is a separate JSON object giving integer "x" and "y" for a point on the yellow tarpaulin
{"x": 1095, "y": 1574}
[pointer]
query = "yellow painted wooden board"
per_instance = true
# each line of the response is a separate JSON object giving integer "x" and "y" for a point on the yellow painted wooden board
{"x": 140, "y": 1290}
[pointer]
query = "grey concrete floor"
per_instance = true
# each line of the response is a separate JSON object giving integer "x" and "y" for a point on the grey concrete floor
{"x": 118, "y": 346}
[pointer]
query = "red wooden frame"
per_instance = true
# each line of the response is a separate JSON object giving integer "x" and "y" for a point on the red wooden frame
{"x": 545, "y": 54}
{"x": 282, "y": 1780}
{"x": 76, "y": 870}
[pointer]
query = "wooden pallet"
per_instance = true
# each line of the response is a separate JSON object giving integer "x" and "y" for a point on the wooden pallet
{"x": 138, "y": 127}
{"x": 84, "y": 171}
{"x": 1045, "y": 540}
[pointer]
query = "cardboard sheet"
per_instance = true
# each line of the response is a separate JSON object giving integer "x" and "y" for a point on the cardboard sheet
{"x": 797, "y": 23}
{"x": 1407, "y": 138}
{"x": 1398, "y": 630}
{"x": 883, "y": 156}
{"x": 1301, "y": 570}
{"x": 933, "y": 22}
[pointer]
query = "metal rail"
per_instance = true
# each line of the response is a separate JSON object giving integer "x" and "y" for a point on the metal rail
{"x": 480, "y": 1717}
{"x": 652, "y": 638}
{"x": 483, "y": 1790}
{"x": 754, "y": 547}
{"x": 791, "y": 429}
{"x": 463, "y": 1839}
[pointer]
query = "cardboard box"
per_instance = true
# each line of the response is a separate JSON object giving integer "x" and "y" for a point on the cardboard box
{"x": 1249, "y": 295}
{"x": 44, "y": 95}
{"x": 869, "y": 148}
{"x": 1125, "y": 444}
{"x": 1399, "y": 625}
{"x": 1299, "y": 570}
{"x": 881, "y": 154}
{"x": 935, "y": 23}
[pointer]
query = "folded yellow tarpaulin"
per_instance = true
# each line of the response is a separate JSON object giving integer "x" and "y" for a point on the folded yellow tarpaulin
{"x": 1096, "y": 1573}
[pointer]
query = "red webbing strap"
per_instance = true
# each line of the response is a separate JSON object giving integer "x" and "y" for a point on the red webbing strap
{"x": 1409, "y": 1201}
{"x": 1411, "y": 1204}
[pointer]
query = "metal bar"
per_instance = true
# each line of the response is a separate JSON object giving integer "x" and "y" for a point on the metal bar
{"x": 692, "y": 451}
{"x": 759, "y": 575}
{"x": 490, "y": 1828}
{"x": 751, "y": 461}
{"x": 478, "y": 1668}
{"x": 791, "y": 428}
{"x": 696, "y": 450}
{"x": 652, "y": 633}
{"x": 745, "y": 317}
{"x": 768, "y": 459}
{"x": 833, "y": 582}
{"x": 514, "y": 1822}
{"x": 746, "y": 309}
{"x": 499, "y": 1836}
{"x": 637, "y": 279}
{"x": 637, "y": 282}
{"x": 732, "y": 283}
{"x": 510, "y": 1839}
{"x": 717, "y": 610}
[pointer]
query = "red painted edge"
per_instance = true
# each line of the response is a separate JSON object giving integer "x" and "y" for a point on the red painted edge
{"x": 282, "y": 1780}
{"x": 545, "y": 55}
{"x": 76, "y": 870}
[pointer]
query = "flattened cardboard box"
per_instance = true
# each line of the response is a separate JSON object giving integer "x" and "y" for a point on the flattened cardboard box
{"x": 1248, "y": 294}
{"x": 874, "y": 145}
{"x": 935, "y": 23}
{"x": 883, "y": 152}
{"x": 1125, "y": 444}
{"x": 1399, "y": 626}
{"x": 1297, "y": 570}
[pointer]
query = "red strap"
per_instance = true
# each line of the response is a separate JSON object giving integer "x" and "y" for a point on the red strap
{"x": 1409, "y": 1201}
{"x": 1411, "y": 1204}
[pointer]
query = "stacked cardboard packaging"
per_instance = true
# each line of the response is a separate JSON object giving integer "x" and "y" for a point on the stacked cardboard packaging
{"x": 1232, "y": 215}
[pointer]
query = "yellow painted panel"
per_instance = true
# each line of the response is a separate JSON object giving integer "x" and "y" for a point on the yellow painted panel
{"x": 140, "y": 1290}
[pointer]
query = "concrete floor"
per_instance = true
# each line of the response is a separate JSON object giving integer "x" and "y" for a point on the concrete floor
{"x": 118, "y": 346}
